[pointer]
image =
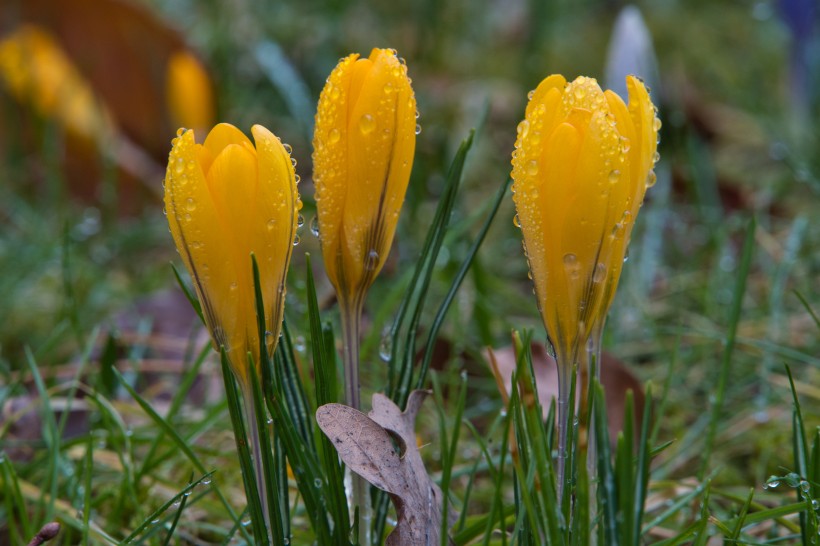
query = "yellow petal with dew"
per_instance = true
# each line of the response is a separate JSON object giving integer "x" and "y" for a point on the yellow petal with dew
{"x": 274, "y": 227}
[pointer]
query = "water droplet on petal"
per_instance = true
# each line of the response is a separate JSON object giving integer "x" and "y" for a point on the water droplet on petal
{"x": 300, "y": 221}
{"x": 600, "y": 273}
{"x": 572, "y": 265}
{"x": 314, "y": 226}
{"x": 296, "y": 239}
{"x": 532, "y": 168}
{"x": 418, "y": 129}
{"x": 614, "y": 176}
{"x": 367, "y": 124}
{"x": 333, "y": 136}
{"x": 651, "y": 179}
{"x": 517, "y": 221}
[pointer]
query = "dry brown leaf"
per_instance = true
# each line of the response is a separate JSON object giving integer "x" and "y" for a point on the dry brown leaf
{"x": 365, "y": 444}
{"x": 615, "y": 378}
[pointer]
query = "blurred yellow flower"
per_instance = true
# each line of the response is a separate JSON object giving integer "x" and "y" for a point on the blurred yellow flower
{"x": 36, "y": 71}
{"x": 189, "y": 92}
{"x": 582, "y": 163}
{"x": 224, "y": 199}
{"x": 363, "y": 145}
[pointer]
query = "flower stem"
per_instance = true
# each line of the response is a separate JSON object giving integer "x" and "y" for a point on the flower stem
{"x": 564, "y": 380}
{"x": 358, "y": 492}
{"x": 253, "y": 426}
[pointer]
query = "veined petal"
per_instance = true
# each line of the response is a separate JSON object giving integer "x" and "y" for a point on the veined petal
{"x": 330, "y": 169}
{"x": 576, "y": 169}
{"x": 275, "y": 226}
{"x": 232, "y": 184}
{"x": 220, "y": 137}
{"x": 198, "y": 233}
{"x": 646, "y": 126}
{"x": 363, "y": 151}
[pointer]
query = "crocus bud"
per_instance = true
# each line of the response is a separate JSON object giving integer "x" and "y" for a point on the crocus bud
{"x": 189, "y": 91}
{"x": 363, "y": 145}
{"x": 226, "y": 199}
{"x": 582, "y": 163}
{"x": 36, "y": 70}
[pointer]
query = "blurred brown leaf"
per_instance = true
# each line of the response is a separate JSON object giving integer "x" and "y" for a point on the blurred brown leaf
{"x": 615, "y": 378}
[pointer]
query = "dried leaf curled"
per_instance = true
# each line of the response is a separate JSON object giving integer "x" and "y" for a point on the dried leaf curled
{"x": 366, "y": 445}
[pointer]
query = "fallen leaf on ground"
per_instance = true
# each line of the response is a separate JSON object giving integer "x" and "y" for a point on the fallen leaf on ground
{"x": 366, "y": 445}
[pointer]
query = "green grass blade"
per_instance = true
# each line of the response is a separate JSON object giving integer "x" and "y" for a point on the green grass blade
{"x": 233, "y": 395}
{"x": 741, "y": 517}
{"x": 734, "y": 320}
{"x": 607, "y": 491}
{"x": 88, "y": 467}
{"x": 183, "y": 446}
{"x": 175, "y": 521}
{"x": 400, "y": 379}
{"x": 808, "y": 308}
{"x": 188, "y": 293}
{"x": 456, "y": 284}
{"x": 51, "y": 436}
{"x": 324, "y": 369}
{"x": 156, "y": 514}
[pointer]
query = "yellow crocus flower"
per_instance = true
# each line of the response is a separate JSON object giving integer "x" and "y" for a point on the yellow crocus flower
{"x": 364, "y": 142}
{"x": 226, "y": 199}
{"x": 36, "y": 70}
{"x": 189, "y": 91}
{"x": 582, "y": 163}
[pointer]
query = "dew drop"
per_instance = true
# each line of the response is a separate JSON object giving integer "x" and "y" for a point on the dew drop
{"x": 418, "y": 129}
{"x": 179, "y": 165}
{"x": 657, "y": 124}
{"x": 600, "y": 273}
{"x": 524, "y": 129}
{"x": 367, "y": 124}
{"x": 296, "y": 239}
{"x": 572, "y": 265}
{"x": 614, "y": 176}
{"x": 333, "y": 136}
{"x": 190, "y": 204}
{"x": 651, "y": 179}
{"x": 271, "y": 224}
{"x": 181, "y": 131}
{"x": 517, "y": 221}
{"x": 317, "y": 483}
{"x": 299, "y": 344}
{"x": 314, "y": 226}
{"x": 386, "y": 345}
{"x": 300, "y": 221}
{"x": 532, "y": 168}
{"x": 233, "y": 286}
{"x": 580, "y": 92}
{"x": 206, "y": 481}
{"x": 371, "y": 260}
{"x": 334, "y": 92}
